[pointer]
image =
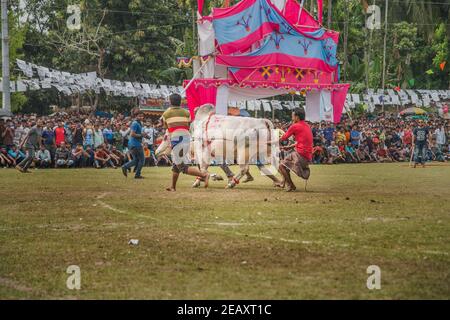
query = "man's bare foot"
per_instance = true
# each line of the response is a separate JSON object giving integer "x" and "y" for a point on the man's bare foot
{"x": 291, "y": 188}
{"x": 279, "y": 185}
{"x": 207, "y": 180}
{"x": 171, "y": 189}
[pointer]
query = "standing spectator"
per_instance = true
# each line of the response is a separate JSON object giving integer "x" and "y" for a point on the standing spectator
{"x": 32, "y": 141}
{"x": 48, "y": 137}
{"x": 135, "y": 146}
{"x": 355, "y": 136}
{"x": 421, "y": 135}
{"x": 329, "y": 134}
{"x": 69, "y": 132}
{"x": 98, "y": 136}
{"x": 125, "y": 133}
{"x": 77, "y": 133}
{"x": 108, "y": 134}
{"x": 2, "y": 129}
{"x": 441, "y": 140}
{"x": 60, "y": 134}
{"x": 8, "y": 134}
{"x": 88, "y": 135}
{"x": 407, "y": 135}
{"x": 150, "y": 133}
{"x": 117, "y": 138}
{"x": 19, "y": 132}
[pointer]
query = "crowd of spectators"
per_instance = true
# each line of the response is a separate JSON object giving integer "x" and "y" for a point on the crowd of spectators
{"x": 383, "y": 138}
{"x": 80, "y": 140}
{"x": 75, "y": 141}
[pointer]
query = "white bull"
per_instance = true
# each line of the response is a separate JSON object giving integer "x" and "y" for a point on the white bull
{"x": 229, "y": 139}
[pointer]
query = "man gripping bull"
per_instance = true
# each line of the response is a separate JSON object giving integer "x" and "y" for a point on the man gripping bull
{"x": 298, "y": 160}
{"x": 177, "y": 121}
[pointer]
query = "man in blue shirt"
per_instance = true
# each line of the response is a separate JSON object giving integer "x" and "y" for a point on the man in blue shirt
{"x": 108, "y": 134}
{"x": 355, "y": 136}
{"x": 329, "y": 134}
{"x": 135, "y": 146}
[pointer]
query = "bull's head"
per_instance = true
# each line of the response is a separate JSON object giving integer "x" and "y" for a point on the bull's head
{"x": 202, "y": 113}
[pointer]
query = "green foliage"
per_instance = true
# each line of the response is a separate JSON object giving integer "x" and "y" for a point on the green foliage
{"x": 17, "y": 35}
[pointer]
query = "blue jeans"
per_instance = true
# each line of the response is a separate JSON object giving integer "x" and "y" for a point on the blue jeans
{"x": 420, "y": 152}
{"x": 138, "y": 160}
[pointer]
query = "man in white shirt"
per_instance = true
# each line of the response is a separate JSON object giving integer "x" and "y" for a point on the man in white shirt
{"x": 19, "y": 133}
{"x": 43, "y": 158}
{"x": 150, "y": 133}
{"x": 441, "y": 139}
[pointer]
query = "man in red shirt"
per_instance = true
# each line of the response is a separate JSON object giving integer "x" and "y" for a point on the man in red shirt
{"x": 297, "y": 161}
{"x": 60, "y": 134}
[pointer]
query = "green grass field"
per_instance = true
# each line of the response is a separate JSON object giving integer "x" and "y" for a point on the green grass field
{"x": 254, "y": 242}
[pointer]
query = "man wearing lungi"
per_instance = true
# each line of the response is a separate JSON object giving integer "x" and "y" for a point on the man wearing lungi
{"x": 177, "y": 120}
{"x": 298, "y": 160}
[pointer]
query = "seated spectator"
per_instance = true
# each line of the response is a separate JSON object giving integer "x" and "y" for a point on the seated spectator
{"x": 382, "y": 154}
{"x": 350, "y": 153}
{"x": 334, "y": 155}
{"x": 318, "y": 154}
{"x": 119, "y": 155}
{"x": 5, "y": 159}
{"x": 16, "y": 154}
{"x": 362, "y": 153}
{"x": 43, "y": 158}
{"x": 102, "y": 159}
{"x": 90, "y": 160}
{"x": 108, "y": 149}
{"x": 62, "y": 157}
{"x": 79, "y": 156}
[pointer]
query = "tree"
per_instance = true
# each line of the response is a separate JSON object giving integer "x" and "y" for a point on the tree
{"x": 17, "y": 34}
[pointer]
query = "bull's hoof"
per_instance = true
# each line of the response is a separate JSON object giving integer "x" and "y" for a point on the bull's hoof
{"x": 248, "y": 179}
{"x": 216, "y": 177}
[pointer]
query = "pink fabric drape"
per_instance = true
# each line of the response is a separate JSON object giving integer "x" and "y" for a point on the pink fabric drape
{"x": 320, "y": 10}
{"x": 200, "y": 4}
{"x": 198, "y": 96}
{"x": 306, "y": 21}
{"x": 338, "y": 101}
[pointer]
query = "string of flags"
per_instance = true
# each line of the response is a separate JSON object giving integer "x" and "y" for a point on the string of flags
{"x": 68, "y": 83}
{"x": 399, "y": 97}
